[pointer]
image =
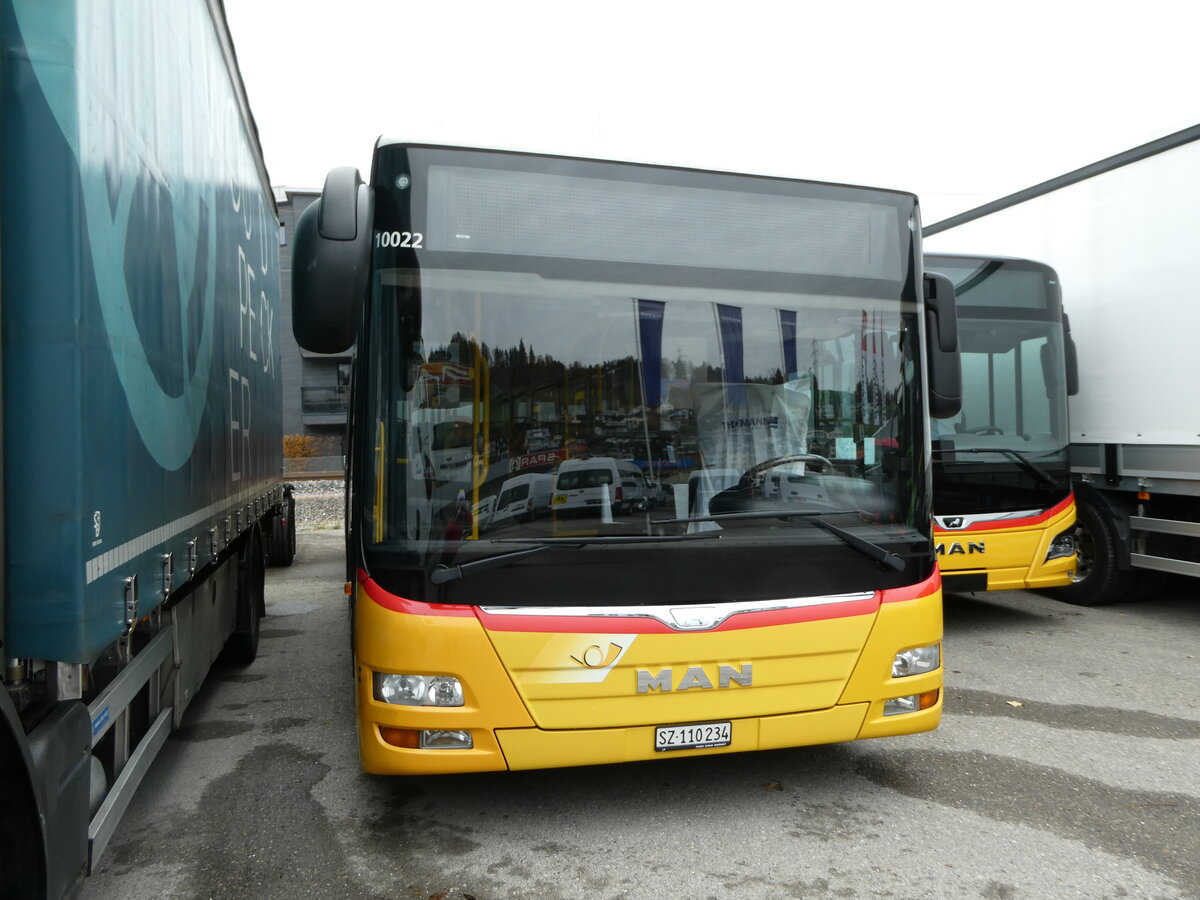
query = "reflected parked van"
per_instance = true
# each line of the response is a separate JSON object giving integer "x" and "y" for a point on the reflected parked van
{"x": 599, "y": 483}
{"x": 794, "y": 488}
{"x": 523, "y": 498}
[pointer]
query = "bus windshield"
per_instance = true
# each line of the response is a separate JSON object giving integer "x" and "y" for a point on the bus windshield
{"x": 1009, "y": 441}
{"x": 663, "y": 419}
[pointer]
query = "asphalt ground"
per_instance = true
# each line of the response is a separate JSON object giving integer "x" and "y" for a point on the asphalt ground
{"x": 1067, "y": 765}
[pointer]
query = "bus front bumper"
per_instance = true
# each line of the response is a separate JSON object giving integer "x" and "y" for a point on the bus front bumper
{"x": 535, "y": 748}
{"x": 822, "y": 696}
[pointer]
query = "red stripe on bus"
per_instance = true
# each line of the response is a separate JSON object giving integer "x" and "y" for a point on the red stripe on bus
{"x": 645, "y": 624}
{"x": 930, "y": 585}
{"x": 1018, "y": 523}
{"x": 400, "y": 604}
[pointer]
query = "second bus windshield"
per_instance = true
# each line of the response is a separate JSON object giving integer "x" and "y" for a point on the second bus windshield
{"x": 1007, "y": 448}
{"x": 1011, "y": 335}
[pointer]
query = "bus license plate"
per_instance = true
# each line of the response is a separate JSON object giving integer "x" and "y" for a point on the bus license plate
{"x": 692, "y": 737}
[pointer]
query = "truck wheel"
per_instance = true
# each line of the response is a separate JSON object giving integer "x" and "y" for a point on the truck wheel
{"x": 291, "y": 511}
{"x": 281, "y": 546}
{"x": 23, "y": 874}
{"x": 1098, "y": 580}
{"x": 242, "y": 646}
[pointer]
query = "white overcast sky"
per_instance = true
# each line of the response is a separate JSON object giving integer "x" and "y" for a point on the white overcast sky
{"x": 959, "y": 102}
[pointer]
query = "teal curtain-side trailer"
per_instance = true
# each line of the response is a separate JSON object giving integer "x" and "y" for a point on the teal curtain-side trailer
{"x": 142, "y": 488}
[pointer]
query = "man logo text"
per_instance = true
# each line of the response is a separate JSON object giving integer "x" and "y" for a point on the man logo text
{"x": 956, "y": 548}
{"x": 694, "y": 677}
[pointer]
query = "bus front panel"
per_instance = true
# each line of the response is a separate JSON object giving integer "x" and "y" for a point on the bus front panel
{"x": 544, "y": 688}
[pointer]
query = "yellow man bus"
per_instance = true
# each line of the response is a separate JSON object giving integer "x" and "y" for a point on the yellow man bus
{"x": 695, "y": 334}
{"x": 1002, "y": 499}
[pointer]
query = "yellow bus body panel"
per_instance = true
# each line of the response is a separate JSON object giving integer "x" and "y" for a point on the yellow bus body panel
{"x": 1013, "y": 558}
{"x": 795, "y": 667}
{"x": 541, "y": 699}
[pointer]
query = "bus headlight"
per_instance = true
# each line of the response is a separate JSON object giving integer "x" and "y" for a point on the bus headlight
{"x": 916, "y": 661}
{"x": 1062, "y": 545}
{"x": 418, "y": 690}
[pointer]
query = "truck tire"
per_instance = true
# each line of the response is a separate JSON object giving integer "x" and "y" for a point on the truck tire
{"x": 23, "y": 873}
{"x": 22, "y": 851}
{"x": 281, "y": 545}
{"x": 1098, "y": 579}
{"x": 242, "y": 646}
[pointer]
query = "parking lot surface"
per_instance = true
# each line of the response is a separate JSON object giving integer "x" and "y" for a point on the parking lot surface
{"x": 1067, "y": 765}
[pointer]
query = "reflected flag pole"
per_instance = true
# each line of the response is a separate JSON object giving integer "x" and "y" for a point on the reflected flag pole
{"x": 648, "y": 321}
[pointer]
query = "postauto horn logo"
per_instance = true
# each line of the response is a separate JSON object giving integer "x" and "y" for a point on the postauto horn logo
{"x": 593, "y": 657}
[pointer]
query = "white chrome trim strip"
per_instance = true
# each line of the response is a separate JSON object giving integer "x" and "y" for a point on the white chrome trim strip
{"x": 680, "y": 617}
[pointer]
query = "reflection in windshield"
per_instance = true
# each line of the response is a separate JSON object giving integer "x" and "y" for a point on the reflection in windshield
{"x": 509, "y": 405}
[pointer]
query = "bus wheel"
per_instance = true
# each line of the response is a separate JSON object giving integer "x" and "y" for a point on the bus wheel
{"x": 1098, "y": 580}
{"x": 242, "y": 646}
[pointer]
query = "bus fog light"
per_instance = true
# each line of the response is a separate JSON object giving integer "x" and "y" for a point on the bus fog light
{"x": 916, "y": 661}
{"x": 418, "y": 690}
{"x": 1062, "y": 545}
{"x": 898, "y": 705}
{"x": 910, "y": 703}
{"x": 446, "y": 740}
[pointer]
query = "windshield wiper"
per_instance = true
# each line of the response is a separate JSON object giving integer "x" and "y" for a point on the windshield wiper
{"x": 813, "y": 516}
{"x": 1021, "y": 459}
{"x": 867, "y": 548}
{"x": 442, "y": 573}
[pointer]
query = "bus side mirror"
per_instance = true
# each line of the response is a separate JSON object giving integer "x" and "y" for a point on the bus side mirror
{"x": 331, "y": 258}
{"x": 1071, "y": 359}
{"x": 942, "y": 360}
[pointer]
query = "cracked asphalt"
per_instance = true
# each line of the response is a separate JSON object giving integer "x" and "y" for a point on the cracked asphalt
{"x": 1067, "y": 765}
